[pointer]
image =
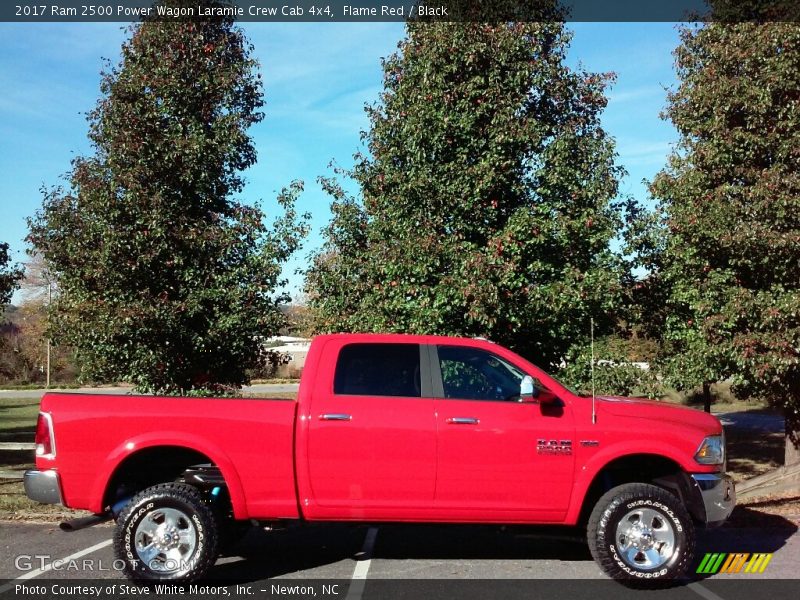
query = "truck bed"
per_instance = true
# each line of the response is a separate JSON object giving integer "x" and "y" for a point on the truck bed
{"x": 249, "y": 439}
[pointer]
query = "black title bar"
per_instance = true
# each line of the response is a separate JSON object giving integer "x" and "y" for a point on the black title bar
{"x": 402, "y": 10}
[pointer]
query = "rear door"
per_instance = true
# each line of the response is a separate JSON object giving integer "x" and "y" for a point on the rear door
{"x": 496, "y": 453}
{"x": 372, "y": 433}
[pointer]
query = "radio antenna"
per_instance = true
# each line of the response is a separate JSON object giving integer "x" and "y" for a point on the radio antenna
{"x": 594, "y": 411}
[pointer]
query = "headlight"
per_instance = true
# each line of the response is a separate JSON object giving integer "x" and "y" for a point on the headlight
{"x": 711, "y": 450}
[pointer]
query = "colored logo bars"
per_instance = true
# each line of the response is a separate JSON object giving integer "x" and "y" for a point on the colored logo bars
{"x": 742, "y": 562}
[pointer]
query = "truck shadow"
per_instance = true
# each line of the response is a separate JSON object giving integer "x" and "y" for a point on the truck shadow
{"x": 267, "y": 554}
{"x": 328, "y": 550}
{"x": 481, "y": 542}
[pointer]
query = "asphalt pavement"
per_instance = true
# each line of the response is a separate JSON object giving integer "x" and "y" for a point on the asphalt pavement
{"x": 344, "y": 552}
{"x": 767, "y": 422}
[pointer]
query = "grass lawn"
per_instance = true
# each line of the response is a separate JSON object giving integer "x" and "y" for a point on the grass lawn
{"x": 17, "y": 424}
{"x": 18, "y": 419}
{"x": 38, "y": 386}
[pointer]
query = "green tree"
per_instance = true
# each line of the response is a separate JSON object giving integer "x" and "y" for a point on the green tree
{"x": 10, "y": 276}
{"x": 484, "y": 204}
{"x": 165, "y": 280}
{"x": 730, "y": 196}
{"x": 617, "y": 370}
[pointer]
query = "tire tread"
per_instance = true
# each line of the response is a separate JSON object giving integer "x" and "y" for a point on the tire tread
{"x": 180, "y": 492}
{"x": 632, "y": 491}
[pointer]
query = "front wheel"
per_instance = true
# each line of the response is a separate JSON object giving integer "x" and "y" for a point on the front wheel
{"x": 639, "y": 531}
{"x": 166, "y": 533}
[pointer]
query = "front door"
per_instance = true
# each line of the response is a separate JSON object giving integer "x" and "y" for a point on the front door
{"x": 495, "y": 452}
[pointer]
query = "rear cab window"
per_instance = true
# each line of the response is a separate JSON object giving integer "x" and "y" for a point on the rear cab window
{"x": 378, "y": 370}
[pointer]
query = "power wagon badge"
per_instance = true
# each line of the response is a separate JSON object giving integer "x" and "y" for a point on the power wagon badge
{"x": 554, "y": 446}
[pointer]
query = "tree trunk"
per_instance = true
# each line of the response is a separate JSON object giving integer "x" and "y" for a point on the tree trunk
{"x": 792, "y": 428}
{"x": 707, "y": 396}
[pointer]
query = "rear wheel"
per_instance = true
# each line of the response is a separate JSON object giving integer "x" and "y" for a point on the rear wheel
{"x": 639, "y": 531}
{"x": 166, "y": 533}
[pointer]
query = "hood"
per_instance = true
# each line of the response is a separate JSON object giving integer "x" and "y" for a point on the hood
{"x": 644, "y": 408}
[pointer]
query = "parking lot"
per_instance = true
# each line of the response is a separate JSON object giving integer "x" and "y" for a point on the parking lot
{"x": 358, "y": 556}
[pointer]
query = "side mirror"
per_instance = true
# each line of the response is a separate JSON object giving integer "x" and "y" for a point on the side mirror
{"x": 528, "y": 392}
{"x": 531, "y": 390}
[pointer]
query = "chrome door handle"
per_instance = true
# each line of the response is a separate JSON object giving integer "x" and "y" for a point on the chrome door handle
{"x": 336, "y": 417}
{"x": 463, "y": 421}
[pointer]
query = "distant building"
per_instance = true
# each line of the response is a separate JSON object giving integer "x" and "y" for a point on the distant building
{"x": 295, "y": 347}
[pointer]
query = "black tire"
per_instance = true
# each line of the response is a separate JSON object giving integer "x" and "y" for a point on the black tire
{"x": 153, "y": 510}
{"x": 618, "y": 534}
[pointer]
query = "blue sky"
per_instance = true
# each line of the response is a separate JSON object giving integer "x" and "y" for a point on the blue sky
{"x": 317, "y": 78}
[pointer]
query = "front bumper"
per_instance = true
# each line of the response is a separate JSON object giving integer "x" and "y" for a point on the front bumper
{"x": 718, "y": 496}
{"x": 43, "y": 486}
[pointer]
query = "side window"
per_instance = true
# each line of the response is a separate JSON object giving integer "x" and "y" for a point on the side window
{"x": 378, "y": 370}
{"x": 474, "y": 374}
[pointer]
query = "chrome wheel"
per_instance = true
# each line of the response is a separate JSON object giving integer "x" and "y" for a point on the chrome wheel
{"x": 165, "y": 540}
{"x": 645, "y": 538}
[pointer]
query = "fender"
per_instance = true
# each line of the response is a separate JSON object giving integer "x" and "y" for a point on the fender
{"x": 170, "y": 438}
{"x": 585, "y": 474}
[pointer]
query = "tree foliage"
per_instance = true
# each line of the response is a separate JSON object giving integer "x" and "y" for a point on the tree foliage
{"x": 617, "y": 371}
{"x": 484, "y": 203}
{"x": 730, "y": 197}
{"x": 10, "y": 276}
{"x": 165, "y": 280}
{"x": 23, "y": 347}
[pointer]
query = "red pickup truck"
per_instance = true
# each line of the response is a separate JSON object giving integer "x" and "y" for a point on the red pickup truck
{"x": 388, "y": 428}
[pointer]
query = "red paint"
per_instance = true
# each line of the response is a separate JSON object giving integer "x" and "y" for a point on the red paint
{"x": 395, "y": 459}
